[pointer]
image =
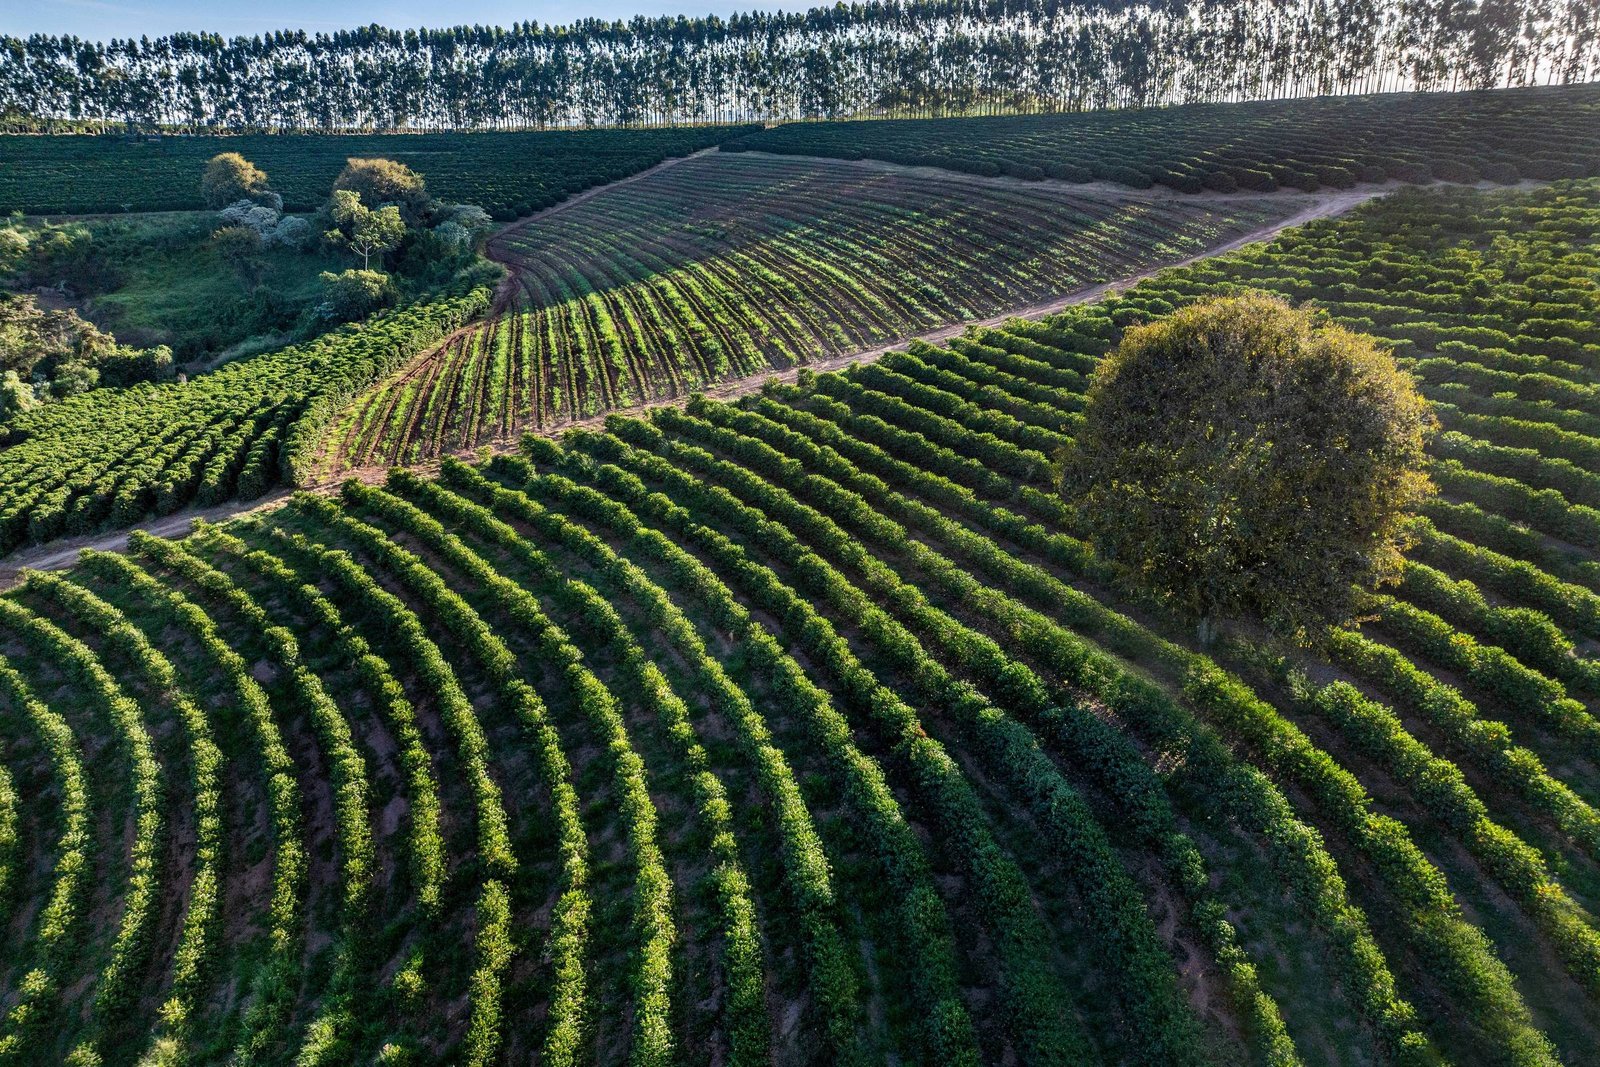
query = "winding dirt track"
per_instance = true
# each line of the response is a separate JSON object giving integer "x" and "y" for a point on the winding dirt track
{"x": 59, "y": 555}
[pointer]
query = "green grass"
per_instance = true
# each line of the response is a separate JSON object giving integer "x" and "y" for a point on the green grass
{"x": 164, "y": 284}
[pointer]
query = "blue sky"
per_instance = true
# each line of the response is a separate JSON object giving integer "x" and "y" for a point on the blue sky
{"x": 105, "y": 19}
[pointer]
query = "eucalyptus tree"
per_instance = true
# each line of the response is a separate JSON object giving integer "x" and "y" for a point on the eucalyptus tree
{"x": 903, "y": 57}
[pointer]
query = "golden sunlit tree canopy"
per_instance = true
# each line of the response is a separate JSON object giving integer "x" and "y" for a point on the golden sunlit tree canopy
{"x": 1247, "y": 461}
{"x": 230, "y": 177}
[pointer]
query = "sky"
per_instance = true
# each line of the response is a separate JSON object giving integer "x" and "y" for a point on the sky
{"x": 104, "y": 19}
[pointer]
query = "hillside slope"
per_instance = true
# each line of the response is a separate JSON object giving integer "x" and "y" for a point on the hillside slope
{"x": 803, "y": 729}
{"x": 723, "y": 267}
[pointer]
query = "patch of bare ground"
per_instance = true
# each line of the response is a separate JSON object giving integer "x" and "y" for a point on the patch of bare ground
{"x": 1203, "y": 985}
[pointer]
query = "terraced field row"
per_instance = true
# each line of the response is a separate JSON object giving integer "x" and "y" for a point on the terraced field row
{"x": 1545, "y": 133}
{"x": 804, "y": 729}
{"x": 115, "y": 456}
{"x": 724, "y": 267}
{"x": 510, "y": 175}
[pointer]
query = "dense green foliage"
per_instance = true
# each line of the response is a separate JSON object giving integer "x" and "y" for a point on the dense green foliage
{"x": 51, "y": 354}
{"x": 726, "y": 267}
{"x": 151, "y": 280}
{"x": 117, "y": 455}
{"x": 1302, "y": 144}
{"x": 1245, "y": 461}
{"x": 808, "y": 726}
{"x": 229, "y": 178}
{"x": 509, "y": 175}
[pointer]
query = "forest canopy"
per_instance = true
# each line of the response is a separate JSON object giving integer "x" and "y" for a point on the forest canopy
{"x": 908, "y": 57}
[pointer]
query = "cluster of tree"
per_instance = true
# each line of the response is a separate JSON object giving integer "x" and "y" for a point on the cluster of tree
{"x": 379, "y": 211}
{"x": 905, "y": 56}
{"x": 378, "y": 208}
{"x": 150, "y": 281}
{"x": 250, "y": 211}
{"x": 48, "y": 354}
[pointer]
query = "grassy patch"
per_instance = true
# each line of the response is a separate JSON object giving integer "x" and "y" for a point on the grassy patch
{"x": 155, "y": 279}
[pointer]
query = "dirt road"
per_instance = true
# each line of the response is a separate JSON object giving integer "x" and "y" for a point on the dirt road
{"x": 61, "y": 554}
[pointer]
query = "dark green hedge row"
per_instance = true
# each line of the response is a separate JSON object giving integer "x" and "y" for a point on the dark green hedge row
{"x": 1306, "y": 144}
{"x": 507, "y": 174}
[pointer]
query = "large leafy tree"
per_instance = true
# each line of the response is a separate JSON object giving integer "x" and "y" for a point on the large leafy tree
{"x": 362, "y": 230}
{"x": 1244, "y": 460}
{"x": 229, "y": 177}
{"x": 378, "y": 182}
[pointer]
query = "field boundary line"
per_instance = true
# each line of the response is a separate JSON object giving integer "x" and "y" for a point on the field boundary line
{"x": 59, "y": 555}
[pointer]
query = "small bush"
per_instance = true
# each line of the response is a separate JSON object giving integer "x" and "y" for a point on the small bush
{"x": 1069, "y": 172}
{"x": 1412, "y": 173}
{"x": 1183, "y": 183}
{"x": 1129, "y": 176}
{"x": 1450, "y": 170}
{"x": 1257, "y": 181}
{"x": 1501, "y": 173}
